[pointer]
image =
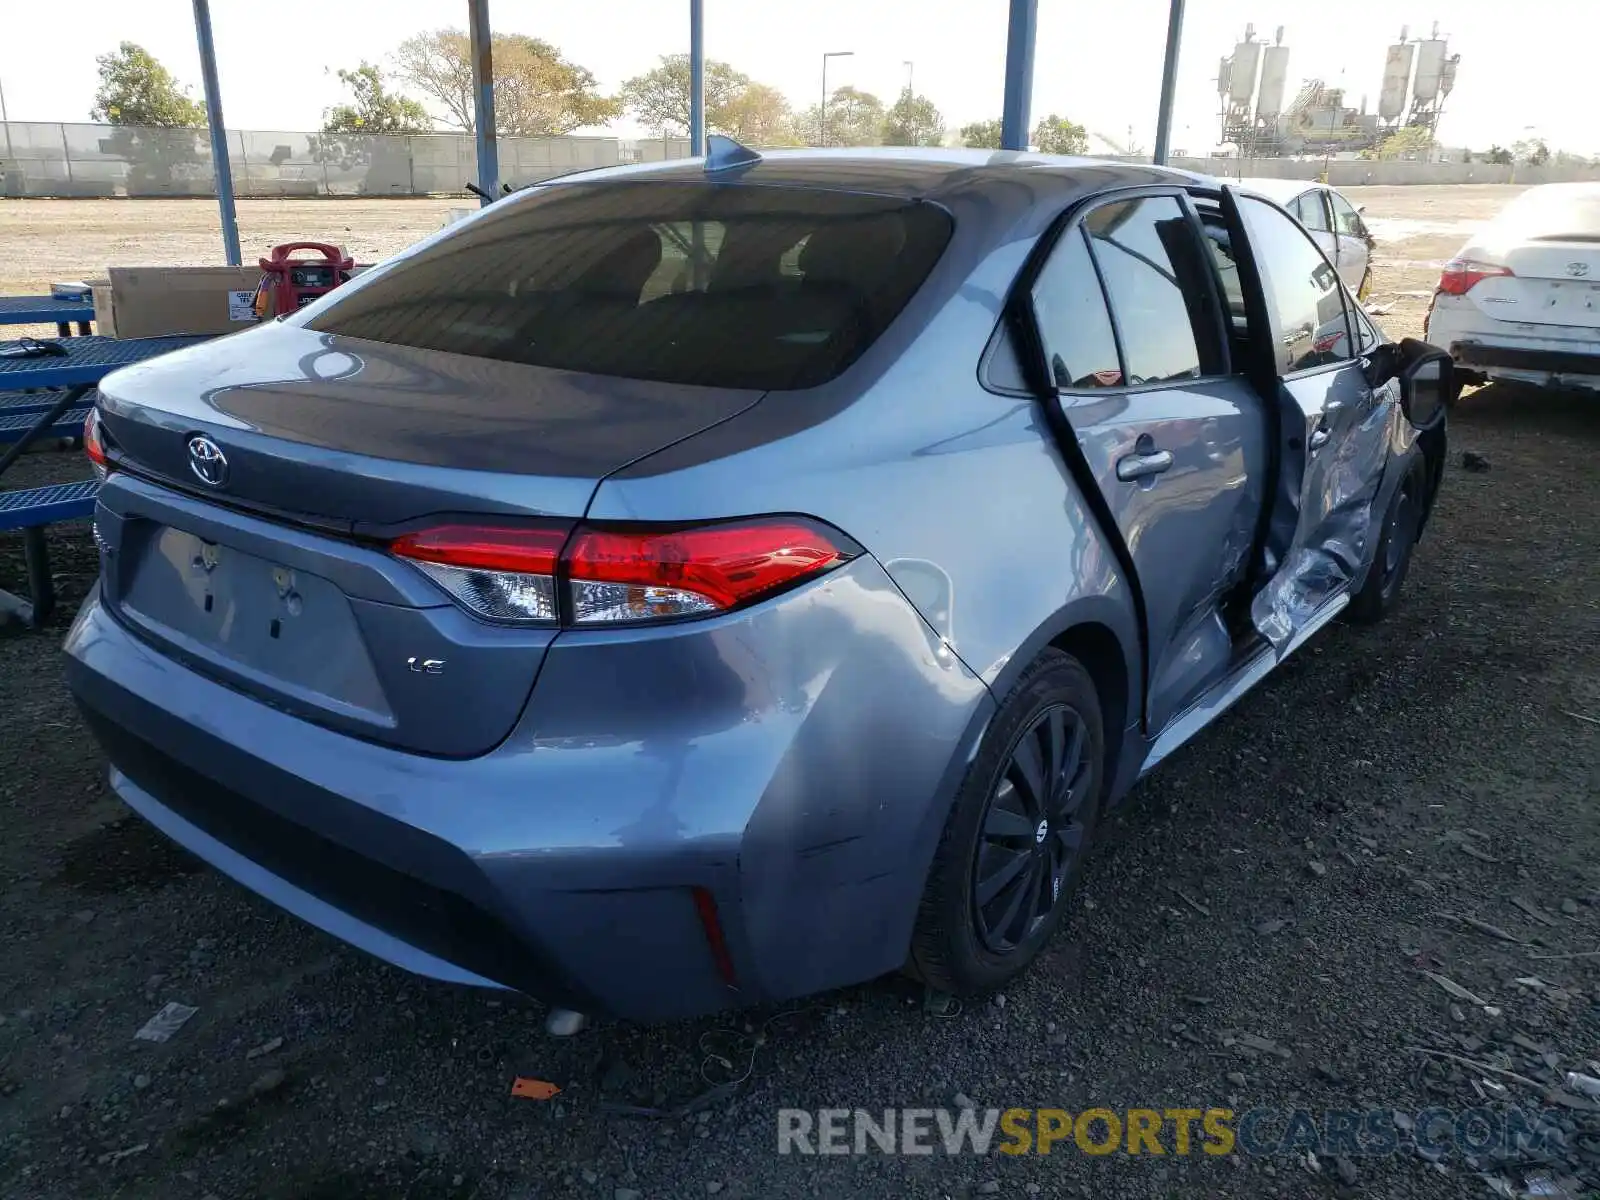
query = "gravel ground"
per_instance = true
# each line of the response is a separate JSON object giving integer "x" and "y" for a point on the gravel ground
{"x": 1256, "y": 928}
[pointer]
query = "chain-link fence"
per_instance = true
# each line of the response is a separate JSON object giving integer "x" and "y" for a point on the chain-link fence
{"x": 48, "y": 159}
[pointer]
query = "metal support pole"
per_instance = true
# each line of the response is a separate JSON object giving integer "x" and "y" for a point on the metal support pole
{"x": 697, "y": 78}
{"x": 1169, "y": 83}
{"x": 219, "y": 135}
{"x": 1020, "y": 36}
{"x": 5, "y": 120}
{"x": 483, "y": 100}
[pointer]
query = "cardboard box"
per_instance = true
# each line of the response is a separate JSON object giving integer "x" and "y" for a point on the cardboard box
{"x": 137, "y": 302}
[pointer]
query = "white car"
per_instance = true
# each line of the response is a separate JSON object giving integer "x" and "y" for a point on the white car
{"x": 1333, "y": 222}
{"x": 1521, "y": 300}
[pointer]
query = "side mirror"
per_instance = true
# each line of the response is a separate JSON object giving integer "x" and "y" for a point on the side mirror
{"x": 1427, "y": 383}
{"x": 1381, "y": 364}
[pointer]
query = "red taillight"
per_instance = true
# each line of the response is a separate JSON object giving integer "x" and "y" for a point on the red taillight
{"x": 94, "y": 443}
{"x": 1461, "y": 275}
{"x": 527, "y": 550}
{"x": 638, "y": 575}
{"x": 501, "y": 572}
{"x": 608, "y": 576}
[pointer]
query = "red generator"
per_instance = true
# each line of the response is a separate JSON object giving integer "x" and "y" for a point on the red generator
{"x": 290, "y": 283}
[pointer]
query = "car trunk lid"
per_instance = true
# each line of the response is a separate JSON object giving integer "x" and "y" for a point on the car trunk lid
{"x": 276, "y": 580}
{"x": 1553, "y": 281}
{"x": 346, "y": 432}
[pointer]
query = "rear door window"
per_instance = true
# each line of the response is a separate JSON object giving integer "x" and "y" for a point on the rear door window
{"x": 1310, "y": 213}
{"x": 1346, "y": 219}
{"x": 1155, "y": 280}
{"x": 1227, "y": 274}
{"x": 1310, "y": 325}
{"x": 1073, "y": 324}
{"x": 715, "y": 284}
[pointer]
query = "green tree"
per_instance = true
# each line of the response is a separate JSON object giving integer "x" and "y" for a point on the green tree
{"x": 913, "y": 121}
{"x": 981, "y": 135}
{"x": 1533, "y": 151}
{"x": 157, "y": 123}
{"x": 135, "y": 89}
{"x": 1057, "y": 135}
{"x": 375, "y": 109}
{"x": 537, "y": 91}
{"x": 735, "y": 104}
{"x": 853, "y": 118}
{"x": 1409, "y": 142}
{"x": 757, "y": 116}
{"x": 1499, "y": 155}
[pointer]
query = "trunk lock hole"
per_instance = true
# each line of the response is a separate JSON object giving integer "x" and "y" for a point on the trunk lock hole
{"x": 276, "y": 627}
{"x": 283, "y": 579}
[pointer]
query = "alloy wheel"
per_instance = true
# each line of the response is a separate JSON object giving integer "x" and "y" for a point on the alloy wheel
{"x": 1403, "y": 521}
{"x": 1032, "y": 829}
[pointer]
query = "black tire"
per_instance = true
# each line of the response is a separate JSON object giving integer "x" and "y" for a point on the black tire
{"x": 965, "y": 948}
{"x": 1396, "y": 539}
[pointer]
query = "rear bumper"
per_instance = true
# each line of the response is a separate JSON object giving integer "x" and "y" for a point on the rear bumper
{"x": 1506, "y": 350}
{"x": 794, "y": 761}
{"x": 1481, "y": 356}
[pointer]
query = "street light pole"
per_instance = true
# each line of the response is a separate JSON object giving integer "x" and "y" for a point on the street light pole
{"x": 911, "y": 72}
{"x": 822, "y": 114}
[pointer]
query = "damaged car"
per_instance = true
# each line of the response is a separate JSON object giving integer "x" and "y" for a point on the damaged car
{"x": 690, "y": 585}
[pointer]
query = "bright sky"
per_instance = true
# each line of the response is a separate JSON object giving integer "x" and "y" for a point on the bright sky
{"x": 1524, "y": 63}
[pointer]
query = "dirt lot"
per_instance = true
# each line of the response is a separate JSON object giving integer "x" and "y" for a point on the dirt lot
{"x": 1417, "y": 797}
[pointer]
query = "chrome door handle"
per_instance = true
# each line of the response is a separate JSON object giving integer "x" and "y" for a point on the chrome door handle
{"x": 1142, "y": 466}
{"x": 1319, "y": 437}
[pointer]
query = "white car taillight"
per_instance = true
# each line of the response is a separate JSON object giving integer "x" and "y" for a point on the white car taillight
{"x": 598, "y": 576}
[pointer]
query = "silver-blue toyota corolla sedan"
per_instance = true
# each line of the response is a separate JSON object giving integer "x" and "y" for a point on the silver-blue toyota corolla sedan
{"x": 707, "y": 583}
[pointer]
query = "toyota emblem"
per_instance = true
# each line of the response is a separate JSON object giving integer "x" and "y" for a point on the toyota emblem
{"x": 207, "y": 461}
{"x": 1577, "y": 269}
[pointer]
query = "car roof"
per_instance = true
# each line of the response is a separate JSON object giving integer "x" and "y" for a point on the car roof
{"x": 1280, "y": 190}
{"x": 1578, "y": 187}
{"x": 914, "y": 173}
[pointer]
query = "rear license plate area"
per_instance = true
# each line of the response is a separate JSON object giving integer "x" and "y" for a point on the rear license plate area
{"x": 282, "y": 630}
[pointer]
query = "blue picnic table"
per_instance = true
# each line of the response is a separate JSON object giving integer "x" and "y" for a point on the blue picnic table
{"x": 47, "y": 310}
{"x": 72, "y": 377}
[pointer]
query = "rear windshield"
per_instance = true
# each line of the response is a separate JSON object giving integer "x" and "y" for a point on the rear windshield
{"x": 722, "y": 285}
{"x": 1554, "y": 214}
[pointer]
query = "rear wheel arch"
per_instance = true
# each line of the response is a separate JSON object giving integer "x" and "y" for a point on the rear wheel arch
{"x": 1101, "y": 653}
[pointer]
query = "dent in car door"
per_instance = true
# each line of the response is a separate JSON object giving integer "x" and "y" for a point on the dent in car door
{"x": 1333, "y": 429}
{"x": 1177, "y": 457}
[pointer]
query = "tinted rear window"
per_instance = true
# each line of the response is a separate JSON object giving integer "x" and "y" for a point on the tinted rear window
{"x": 722, "y": 285}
